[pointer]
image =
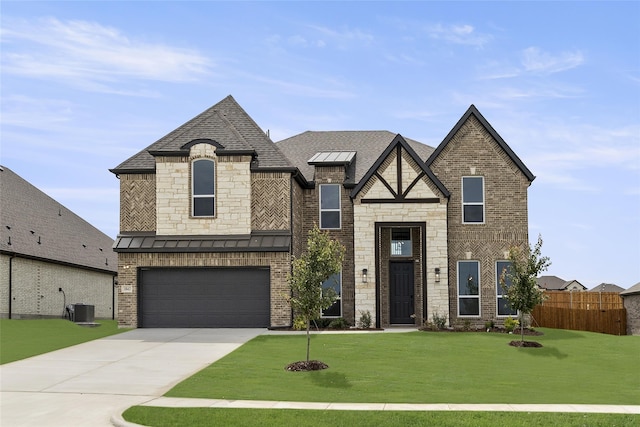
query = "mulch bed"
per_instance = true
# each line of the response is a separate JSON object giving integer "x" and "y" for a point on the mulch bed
{"x": 525, "y": 344}
{"x": 303, "y": 365}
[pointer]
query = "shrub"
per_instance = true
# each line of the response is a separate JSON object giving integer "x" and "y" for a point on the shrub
{"x": 438, "y": 320}
{"x": 338, "y": 323}
{"x": 489, "y": 324}
{"x": 299, "y": 324}
{"x": 510, "y": 324}
{"x": 365, "y": 320}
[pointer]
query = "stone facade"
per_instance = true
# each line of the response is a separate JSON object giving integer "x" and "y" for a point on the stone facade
{"x": 477, "y": 153}
{"x": 632, "y": 305}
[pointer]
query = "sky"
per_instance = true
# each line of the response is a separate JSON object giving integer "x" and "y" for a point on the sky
{"x": 84, "y": 85}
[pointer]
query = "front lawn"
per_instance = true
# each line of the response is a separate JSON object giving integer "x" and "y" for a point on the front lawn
{"x": 426, "y": 367}
{"x": 20, "y": 339}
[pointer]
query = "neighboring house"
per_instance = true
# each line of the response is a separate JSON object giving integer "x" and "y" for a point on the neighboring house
{"x": 49, "y": 256}
{"x": 607, "y": 287}
{"x": 554, "y": 283}
{"x": 631, "y": 300}
{"x": 212, "y": 215}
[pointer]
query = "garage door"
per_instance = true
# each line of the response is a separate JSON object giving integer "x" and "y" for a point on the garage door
{"x": 203, "y": 298}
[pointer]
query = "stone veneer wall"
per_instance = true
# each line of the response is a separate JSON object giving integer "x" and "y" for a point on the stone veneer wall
{"x": 632, "y": 305}
{"x": 137, "y": 202}
{"x": 233, "y": 194}
{"x": 278, "y": 262}
{"x": 473, "y": 152}
{"x": 334, "y": 175}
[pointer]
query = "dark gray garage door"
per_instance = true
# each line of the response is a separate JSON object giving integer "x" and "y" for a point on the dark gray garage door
{"x": 203, "y": 298}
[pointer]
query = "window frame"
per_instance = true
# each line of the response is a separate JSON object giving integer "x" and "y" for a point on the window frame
{"x": 500, "y": 296}
{"x": 338, "y": 209}
{"x": 465, "y": 204}
{"x": 338, "y": 300}
{"x": 202, "y": 196}
{"x": 402, "y": 242}
{"x": 471, "y": 296}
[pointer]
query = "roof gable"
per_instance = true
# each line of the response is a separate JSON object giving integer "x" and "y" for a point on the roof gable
{"x": 473, "y": 111}
{"x": 393, "y": 184}
{"x": 34, "y": 225}
{"x": 227, "y": 124}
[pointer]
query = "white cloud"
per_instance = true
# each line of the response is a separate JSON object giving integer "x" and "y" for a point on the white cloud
{"x": 535, "y": 60}
{"x": 92, "y": 56}
{"x": 458, "y": 34}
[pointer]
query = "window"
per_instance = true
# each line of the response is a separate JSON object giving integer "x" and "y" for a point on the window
{"x": 401, "y": 242}
{"x": 203, "y": 187}
{"x": 472, "y": 199}
{"x": 503, "y": 304}
{"x": 334, "y": 282}
{"x": 330, "y": 206}
{"x": 468, "y": 288}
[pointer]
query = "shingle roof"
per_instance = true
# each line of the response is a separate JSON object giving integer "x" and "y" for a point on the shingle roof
{"x": 607, "y": 287}
{"x": 34, "y": 225}
{"x": 634, "y": 290}
{"x": 225, "y": 123}
{"x": 554, "y": 283}
{"x": 367, "y": 144}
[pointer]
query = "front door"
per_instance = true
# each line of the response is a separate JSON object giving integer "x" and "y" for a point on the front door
{"x": 401, "y": 289}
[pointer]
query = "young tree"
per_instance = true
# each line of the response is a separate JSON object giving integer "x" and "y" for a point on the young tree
{"x": 519, "y": 281}
{"x": 322, "y": 259}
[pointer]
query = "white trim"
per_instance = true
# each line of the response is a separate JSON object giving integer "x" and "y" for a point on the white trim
{"x": 498, "y": 296}
{"x": 463, "y": 204}
{"x": 468, "y": 297}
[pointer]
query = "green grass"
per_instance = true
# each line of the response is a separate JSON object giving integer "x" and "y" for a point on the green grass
{"x": 200, "y": 417}
{"x": 419, "y": 367}
{"x": 20, "y": 339}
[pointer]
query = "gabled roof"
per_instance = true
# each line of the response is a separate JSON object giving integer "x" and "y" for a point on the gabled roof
{"x": 607, "y": 287}
{"x": 367, "y": 144}
{"x": 473, "y": 111}
{"x": 554, "y": 283}
{"x": 399, "y": 141}
{"x": 226, "y": 124}
{"x": 634, "y": 290}
{"x": 33, "y": 225}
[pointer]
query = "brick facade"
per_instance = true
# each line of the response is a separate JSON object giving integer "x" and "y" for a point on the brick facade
{"x": 505, "y": 188}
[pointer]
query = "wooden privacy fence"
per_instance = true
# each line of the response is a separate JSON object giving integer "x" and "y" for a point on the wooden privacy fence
{"x": 582, "y": 311}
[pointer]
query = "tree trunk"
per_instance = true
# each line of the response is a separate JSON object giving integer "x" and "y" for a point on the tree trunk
{"x": 522, "y": 326}
{"x": 308, "y": 339}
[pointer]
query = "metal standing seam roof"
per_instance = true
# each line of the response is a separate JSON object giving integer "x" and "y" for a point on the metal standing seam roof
{"x": 255, "y": 242}
{"x": 227, "y": 124}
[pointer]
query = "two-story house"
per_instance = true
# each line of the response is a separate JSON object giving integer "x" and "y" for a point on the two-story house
{"x": 213, "y": 213}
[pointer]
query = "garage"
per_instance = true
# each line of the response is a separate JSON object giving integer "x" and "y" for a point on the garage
{"x": 203, "y": 298}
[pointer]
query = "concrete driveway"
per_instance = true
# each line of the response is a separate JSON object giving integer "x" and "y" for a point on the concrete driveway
{"x": 86, "y": 384}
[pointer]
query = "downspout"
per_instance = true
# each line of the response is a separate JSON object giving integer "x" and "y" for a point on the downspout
{"x": 114, "y": 283}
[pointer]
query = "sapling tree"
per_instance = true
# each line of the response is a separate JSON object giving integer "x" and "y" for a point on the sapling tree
{"x": 519, "y": 280}
{"x": 322, "y": 259}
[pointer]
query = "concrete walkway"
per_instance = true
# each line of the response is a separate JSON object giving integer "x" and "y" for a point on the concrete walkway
{"x": 85, "y": 385}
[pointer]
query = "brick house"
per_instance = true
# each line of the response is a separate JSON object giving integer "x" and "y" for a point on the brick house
{"x": 213, "y": 213}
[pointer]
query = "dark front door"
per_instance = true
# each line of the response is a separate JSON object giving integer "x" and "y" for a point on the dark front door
{"x": 401, "y": 289}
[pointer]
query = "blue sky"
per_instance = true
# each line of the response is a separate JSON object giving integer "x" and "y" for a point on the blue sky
{"x": 87, "y": 84}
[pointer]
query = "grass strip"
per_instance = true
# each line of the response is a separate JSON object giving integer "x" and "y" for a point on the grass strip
{"x": 200, "y": 417}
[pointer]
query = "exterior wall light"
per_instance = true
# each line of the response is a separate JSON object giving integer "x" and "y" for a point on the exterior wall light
{"x": 364, "y": 275}
{"x": 437, "y": 275}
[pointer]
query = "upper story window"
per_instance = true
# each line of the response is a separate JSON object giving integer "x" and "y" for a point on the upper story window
{"x": 503, "y": 304}
{"x": 473, "y": 199}
{"x": 401, "y": 242}
{"x": 203, "y": 187}
{"x": 330, "y": 206}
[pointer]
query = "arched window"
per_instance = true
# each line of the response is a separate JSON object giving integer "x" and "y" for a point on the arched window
{"x": 203, "y": 187}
